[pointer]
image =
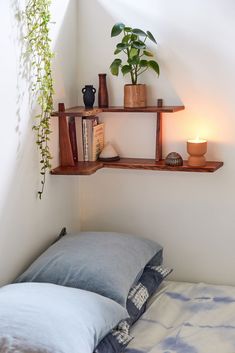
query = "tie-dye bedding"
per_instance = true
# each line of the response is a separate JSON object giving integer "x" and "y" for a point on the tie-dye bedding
{"x": 187, "y": 318}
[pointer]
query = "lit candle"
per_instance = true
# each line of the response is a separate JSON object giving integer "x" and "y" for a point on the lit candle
{"x": 196, "y": 149}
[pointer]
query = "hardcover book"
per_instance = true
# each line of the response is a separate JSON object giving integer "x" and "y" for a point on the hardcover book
{"x": 92, "y": 138}
{"x": 79, "y": 138}
{"x": 72, "y": 136}
{"x": 97, "y": 141}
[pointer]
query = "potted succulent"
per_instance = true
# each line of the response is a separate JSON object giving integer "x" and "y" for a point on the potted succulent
{"x": 139, "y": 59}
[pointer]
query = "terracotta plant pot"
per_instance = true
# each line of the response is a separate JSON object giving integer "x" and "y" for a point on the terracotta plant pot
{"x": 135, "y": 96}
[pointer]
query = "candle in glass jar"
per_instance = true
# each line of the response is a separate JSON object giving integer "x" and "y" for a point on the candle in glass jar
{"x": 196, "y": 149}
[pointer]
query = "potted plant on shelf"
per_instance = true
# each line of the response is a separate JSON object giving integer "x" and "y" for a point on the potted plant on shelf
{"x": 139, "y": 60}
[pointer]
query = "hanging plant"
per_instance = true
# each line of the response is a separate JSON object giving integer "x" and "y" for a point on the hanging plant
{"x": 37, "y": 15}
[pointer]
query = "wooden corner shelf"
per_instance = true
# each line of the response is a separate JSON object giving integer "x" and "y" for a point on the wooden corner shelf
{"x": 88, "y": 168}
{"x": 69, "y": 167}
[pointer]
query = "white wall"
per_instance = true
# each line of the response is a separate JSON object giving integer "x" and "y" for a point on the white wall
{"x": 191, "y": 214}
{"x": 28, "y": 225}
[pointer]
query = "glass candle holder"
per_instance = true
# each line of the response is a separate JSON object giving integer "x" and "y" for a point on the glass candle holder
{"x": 196, "y": 150}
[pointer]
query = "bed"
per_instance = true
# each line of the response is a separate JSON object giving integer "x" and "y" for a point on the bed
{"x": 187, "y": 318}
{"x": 106, "y": 293}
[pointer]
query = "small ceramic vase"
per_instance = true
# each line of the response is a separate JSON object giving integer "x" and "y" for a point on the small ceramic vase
{"x": 88, "y": 96}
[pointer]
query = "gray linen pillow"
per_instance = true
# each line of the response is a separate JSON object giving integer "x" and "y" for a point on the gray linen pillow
{"x": 101, "y": 262}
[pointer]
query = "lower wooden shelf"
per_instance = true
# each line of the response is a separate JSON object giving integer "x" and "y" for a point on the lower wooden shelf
{"x": 88, "y": 168}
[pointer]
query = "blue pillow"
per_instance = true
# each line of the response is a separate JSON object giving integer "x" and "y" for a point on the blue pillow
{"x": 102, "y": 262}
{"x": 42, "y": 317}
{"x": 137, "y": 300}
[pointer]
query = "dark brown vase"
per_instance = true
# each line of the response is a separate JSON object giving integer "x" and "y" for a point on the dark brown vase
{"x": 103, "y": 99}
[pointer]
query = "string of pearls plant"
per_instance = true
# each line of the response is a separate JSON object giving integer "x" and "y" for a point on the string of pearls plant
{"x": 38, "y": 17}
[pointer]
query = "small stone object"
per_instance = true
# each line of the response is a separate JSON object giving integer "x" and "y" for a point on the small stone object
{"x": 108, "y": 154}
{"x": 174, "y": 159}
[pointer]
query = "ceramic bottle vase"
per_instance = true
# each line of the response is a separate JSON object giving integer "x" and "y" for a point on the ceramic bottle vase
{"x": 88, "y": 96}
{"x": 103, "y": 99}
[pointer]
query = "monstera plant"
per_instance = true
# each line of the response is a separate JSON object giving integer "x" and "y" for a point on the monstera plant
{"x": 37, "y": 15}
{"x": 138, "y": 60}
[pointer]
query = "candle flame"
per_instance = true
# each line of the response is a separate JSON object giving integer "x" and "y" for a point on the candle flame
{"x": 197, "y": 140}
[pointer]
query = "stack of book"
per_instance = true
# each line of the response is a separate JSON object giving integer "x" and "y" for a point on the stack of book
{"x": 86, "y": 137}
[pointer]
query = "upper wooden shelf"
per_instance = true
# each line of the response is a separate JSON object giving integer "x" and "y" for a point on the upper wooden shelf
{"x": 149, "y": 109}
{"x": 81, "y": 111}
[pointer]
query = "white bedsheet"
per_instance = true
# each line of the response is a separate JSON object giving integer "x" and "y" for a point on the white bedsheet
{"x": 187, "y": 318}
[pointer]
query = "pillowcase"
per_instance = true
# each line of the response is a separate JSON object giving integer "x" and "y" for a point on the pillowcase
{"x": 137, "y": 300}
{"x": 102, "y": 262}
{"x": 41, "y": 317}
{"x": 141, "y": 292}
{"x": 116, "y": 340}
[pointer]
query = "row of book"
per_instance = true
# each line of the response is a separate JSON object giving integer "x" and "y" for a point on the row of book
{"x": 86, "y": 137}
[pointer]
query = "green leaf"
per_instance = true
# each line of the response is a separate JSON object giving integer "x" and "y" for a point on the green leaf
{"x": 133, "y": 52}
{"x": 121, "y": 46}
{"x": 134, "y": 37}
{"x": 139, "y": 45}
{"x": 139, "y": 32}
{"x": 154, "y": 66}
{"x": 127, "y": 29}
{"x": 114, "y": 67}
{"x": 148, "y": 53}
{"x": 117, "y": 51}
{"x": 143, "y": 63}
{"x": 114, "y": 70}
{"x": 126, "y": 69}
{"x": 134, "y": 61}
{"x": 117, "y": 29}
{"x": 151, "y": 37}
{"x": 126, "y": 38}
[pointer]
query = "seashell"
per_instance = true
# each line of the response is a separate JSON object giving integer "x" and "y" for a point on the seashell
{"x": 174, "y": 159}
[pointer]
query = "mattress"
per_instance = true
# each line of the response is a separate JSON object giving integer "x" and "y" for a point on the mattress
{"x": 187, "y": 318}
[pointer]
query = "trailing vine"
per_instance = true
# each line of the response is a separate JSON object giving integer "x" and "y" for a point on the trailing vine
{"x": 37, "y": 15}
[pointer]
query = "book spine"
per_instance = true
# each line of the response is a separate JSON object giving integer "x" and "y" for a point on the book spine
{"x": 90, "y": 124}
{"x": 85, "y": 139}
{"x": 79, "y": 136}
{"x": 73, "y": 139}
